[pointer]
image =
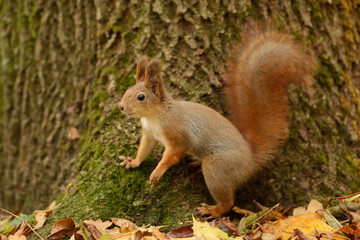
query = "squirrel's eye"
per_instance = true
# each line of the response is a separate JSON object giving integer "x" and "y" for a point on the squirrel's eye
{"x": 141, "y": 97}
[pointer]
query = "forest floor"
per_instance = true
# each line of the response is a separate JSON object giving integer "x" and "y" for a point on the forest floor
{"x": 335, "y": 218}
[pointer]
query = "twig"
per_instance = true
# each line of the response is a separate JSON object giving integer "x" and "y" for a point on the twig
{"x": 267, "y": 211}
{"x": 1, "y": 209}
{"x": 327, "y": 200}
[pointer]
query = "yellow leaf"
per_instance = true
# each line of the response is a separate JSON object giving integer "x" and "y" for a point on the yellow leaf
{"x": 105, "y": 237}
{"x": 306, "y": 223}
{"x": 203, "y": 230}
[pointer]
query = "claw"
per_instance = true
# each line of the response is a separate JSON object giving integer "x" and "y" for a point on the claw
{"x": 128, "y": 162}
{"x": 205, "y": 209}
{"x": 155, "y": 177}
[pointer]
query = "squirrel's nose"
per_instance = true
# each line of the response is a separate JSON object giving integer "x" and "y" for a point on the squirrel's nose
{"x": 121, "y": 107}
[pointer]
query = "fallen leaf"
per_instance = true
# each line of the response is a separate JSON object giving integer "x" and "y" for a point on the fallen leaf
{"x": 3, "y": 237}
{"x": 298, "y": 211}
{"x": 62, "y": 228}
{"x": 203, "y": 230}
{"x": 330, "y": 219}
{"x": 94, "y": 231}
{"x": 112, "y": 232}
{"x": 225, "y": 225}
{"x": 5, "y": 222}
{"x": 306, "y": 223}
{"x": 21, "y": 229}
{"x": 352, "y": 231}
{"x": 298, "y": 233}
{"x": 271, "y": 213}
{"x": 125, "y": 225}
{"x": 268, "y": 236}
{"x": 77, "y": 236}
{"x": 181, "y": 232}
{"x": 354, "y": 217}
{"x": 40, "y": 218}
{"x": 73, "y": 134}
{"x": 100, "y": 225}
{"x": 105, "y": 237}
{"x": 14, "y": 237}
{"x": 314, "y": 206}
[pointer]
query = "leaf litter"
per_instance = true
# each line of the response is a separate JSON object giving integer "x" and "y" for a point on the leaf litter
{"x": 296, "y": 223}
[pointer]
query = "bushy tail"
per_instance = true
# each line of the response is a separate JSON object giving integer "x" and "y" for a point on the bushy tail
{"x": 259, "y": 71}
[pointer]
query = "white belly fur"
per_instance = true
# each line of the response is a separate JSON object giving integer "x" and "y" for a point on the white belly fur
{"x": 153, "y": 129}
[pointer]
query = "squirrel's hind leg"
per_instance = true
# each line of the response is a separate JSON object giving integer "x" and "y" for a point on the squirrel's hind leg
{"x": 219, "y": 183}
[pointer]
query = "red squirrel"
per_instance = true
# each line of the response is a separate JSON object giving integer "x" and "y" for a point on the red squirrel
{"x": 258, "y": 73}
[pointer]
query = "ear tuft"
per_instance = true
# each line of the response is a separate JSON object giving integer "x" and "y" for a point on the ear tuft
{"x": 153, "y": 80}
{"x": 140, "y": 68}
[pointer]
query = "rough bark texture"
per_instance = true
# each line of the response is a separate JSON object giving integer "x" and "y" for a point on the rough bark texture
{"x": 66, "y": 63}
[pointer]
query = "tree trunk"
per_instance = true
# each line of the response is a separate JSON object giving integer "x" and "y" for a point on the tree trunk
{"x": 66, "y": 63}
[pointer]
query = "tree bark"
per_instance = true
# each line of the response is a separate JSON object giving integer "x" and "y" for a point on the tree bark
{"x": 66, "y": 63}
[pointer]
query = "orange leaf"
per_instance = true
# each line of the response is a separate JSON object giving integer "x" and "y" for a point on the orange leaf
{"x": 14, "y": 237}
{"x": 125, "y": 225}
{"x": 73, "y": 134}
{"x": 100, "y": 225}
{"x": 62, "y": 228}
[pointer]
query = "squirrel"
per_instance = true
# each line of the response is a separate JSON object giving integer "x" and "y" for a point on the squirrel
{"x": 258, "y": 73}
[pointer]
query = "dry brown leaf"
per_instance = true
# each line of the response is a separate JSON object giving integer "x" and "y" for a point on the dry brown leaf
{"x": 78, "y": 236}
{"x": 125, "y": 225}
{"x": 73, "y": 134}
{"x": 353, "y": 230}
{"x": 314, "y": 206}
{"x": 94, "y": 231}
{"x": 21, "y": 230}
{"x": 298, "y": 233}
{"x": 100, "y": 225}
{"x": 3, "y": 237}
{"x": 112, "y": 232}
{"x": 14, "y": 237}
{"x": 225, "y": 225}
{"x": 298, "y": 211}
{"x": 40, "y": 218}
{"x": 181, "y": 232}
{"x": 354, "y": 217}
{"x": 62, "y": 228}
{"x": 267, "y": 236}
{"x": 274, "y": 214}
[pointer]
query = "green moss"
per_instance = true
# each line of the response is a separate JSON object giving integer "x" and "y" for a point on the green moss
{"x": 326, "y": 189}
{"x": 125, "y": 82}
{"x": 295, "y": 6}
{"x": 253, "y": 10}
{"x": 281, "y": 26}
{"x": 1, "y": 104}
{"x": 323, "y": 77}
{"x": 320, "y": 158}
{"x": 316, "y": 11}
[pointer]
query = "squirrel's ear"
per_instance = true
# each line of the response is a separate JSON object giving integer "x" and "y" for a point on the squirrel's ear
{"x": 153, "y": 80}
{"x": 140, "y": 68}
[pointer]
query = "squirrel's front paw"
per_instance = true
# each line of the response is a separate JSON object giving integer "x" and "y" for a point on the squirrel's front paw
{"x": 156, "y": 176}
{"x": 128, "y": 162}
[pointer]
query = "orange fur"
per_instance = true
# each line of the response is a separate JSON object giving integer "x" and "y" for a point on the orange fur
{"x": 259, "y": 72}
